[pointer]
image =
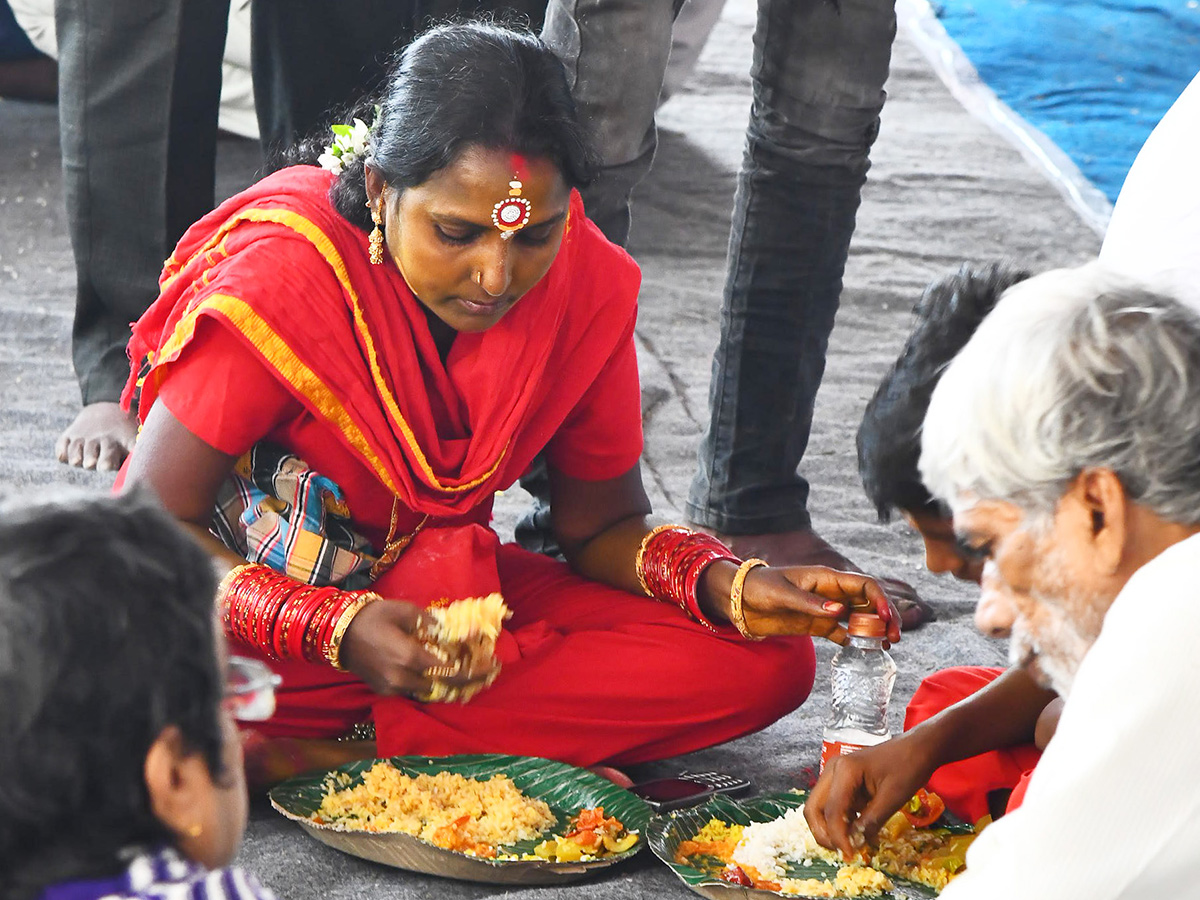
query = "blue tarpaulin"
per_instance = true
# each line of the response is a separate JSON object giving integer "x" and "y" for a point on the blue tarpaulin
{"x": 1095, "y": 77}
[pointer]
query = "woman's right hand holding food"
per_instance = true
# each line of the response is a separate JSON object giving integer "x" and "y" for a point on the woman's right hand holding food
{"x": 381, "y": 648}
{"x": 859, "y": 792}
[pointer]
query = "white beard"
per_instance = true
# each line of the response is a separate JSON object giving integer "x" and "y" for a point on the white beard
{"x": 1052, "y": 668}
{"x": 1053, "y": 646}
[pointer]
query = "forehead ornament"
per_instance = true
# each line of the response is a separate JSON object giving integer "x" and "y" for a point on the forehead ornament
{"x": 512, "y": 213}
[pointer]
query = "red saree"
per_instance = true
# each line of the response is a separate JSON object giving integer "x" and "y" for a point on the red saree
{"x": 272, "y": 324}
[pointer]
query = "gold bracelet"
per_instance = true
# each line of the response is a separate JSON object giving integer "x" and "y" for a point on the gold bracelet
{"x": 223, "y": 588}
{"x": 639, "y": 565}
{"x": 333, "y": 651}
{"x": 225, "y": 583}
{"x": 736, "y": 616}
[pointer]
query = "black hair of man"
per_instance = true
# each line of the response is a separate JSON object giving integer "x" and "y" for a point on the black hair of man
{"x": 106, "y": 638}
{"x": 889, "y": 437}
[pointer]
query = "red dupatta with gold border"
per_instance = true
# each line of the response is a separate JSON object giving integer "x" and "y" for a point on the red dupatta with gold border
{"x": 287, "y": 273}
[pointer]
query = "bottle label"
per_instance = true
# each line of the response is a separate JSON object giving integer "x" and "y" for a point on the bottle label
{"x": 830, "y": 749}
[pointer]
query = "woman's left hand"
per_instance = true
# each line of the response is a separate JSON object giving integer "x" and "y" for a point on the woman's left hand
{"x": 811, "y": 600}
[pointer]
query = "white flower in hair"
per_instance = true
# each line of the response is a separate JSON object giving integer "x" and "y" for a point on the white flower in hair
{"x": 349, "y": 145}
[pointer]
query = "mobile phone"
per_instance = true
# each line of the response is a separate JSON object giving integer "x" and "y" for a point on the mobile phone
{"x": 720, "y": 782}
{"x": 665, "y": 794}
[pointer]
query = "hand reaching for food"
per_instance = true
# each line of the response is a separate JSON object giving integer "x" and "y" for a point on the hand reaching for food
{"x": 858, "y": 793}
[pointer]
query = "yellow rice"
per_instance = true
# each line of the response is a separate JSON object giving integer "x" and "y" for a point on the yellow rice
{"x": 389, "y": 800}
{"x": 718, "y": 830}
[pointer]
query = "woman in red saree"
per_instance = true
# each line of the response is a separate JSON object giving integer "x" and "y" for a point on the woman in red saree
{"x": 409, "y": 374}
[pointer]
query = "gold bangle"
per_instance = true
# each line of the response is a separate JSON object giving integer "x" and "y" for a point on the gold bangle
{"x": 333, "y": 651}
{"x": 226, "y": 583}
{"x": 639, "y": 564}
{"x": 736, "y": 616}
{"x": 222, "y": 595}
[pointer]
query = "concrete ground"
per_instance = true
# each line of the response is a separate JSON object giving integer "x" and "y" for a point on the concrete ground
{"x": 943, "y": 190}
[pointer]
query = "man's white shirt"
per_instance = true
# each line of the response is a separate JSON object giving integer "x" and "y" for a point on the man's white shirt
{"x": 1113, "y": 808}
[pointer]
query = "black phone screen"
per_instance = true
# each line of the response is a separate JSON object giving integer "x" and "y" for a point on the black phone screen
{"x": 670, "y": 790}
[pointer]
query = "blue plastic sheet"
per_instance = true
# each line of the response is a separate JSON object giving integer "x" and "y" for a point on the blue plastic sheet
{"x": 1095, "y": 77}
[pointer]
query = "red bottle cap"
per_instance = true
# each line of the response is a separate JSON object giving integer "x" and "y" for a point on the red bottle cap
{"x": 866, "y": 625}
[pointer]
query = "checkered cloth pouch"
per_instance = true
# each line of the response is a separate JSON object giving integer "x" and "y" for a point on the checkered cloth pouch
{"x": 277, "y": 511}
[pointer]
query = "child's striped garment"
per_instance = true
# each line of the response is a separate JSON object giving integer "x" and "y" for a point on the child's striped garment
{"x": 165, "y": 875}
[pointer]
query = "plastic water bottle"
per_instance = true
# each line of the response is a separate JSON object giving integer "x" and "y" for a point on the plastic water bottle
{"x": 863, "y": 677}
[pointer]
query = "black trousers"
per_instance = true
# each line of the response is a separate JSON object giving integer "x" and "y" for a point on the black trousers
{"x": 139, "y": 88}
{"x": 139, "y": 94}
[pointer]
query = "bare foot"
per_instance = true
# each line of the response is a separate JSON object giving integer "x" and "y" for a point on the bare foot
{"x": 804, "y": 547}
{"x": 101, "y": 436}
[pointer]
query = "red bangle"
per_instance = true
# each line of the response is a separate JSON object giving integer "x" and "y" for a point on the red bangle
{"x": 291, "y": 613}
{"x": 672, "y": 560}
{"x": 306, "y": 607}
{"x": 311, "y": 651}
{"x": 319, "y": 628}
{"x": 285, "y": 618}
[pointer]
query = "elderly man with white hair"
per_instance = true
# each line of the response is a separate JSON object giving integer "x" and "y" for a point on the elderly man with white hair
{"x": 1066, "y": 438}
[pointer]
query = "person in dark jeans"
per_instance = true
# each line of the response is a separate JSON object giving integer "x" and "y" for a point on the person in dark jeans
{"x": 818, "y": 74}
{"x": 140, "y": 89}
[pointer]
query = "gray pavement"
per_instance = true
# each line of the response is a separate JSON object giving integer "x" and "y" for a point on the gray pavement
{"x": 943, "y": 190}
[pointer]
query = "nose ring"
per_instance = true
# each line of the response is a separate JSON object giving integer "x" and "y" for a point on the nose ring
{"x": 479, "y": 281}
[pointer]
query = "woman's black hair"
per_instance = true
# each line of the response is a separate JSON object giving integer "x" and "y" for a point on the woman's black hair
{"x": 459, "y": 85}
{"x": 889, "y": 437}
{"x": 106, "y": 639}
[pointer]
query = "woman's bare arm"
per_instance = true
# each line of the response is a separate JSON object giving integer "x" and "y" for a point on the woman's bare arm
{"x": 186, "y": 474}
{"x": 601, "y": 524}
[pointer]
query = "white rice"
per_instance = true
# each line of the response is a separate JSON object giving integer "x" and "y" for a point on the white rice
{"x": 768, "y": 846}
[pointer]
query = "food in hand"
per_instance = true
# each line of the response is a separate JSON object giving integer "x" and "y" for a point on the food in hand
{"x": 462, "y": 635}
{"x": 589, "y": 835}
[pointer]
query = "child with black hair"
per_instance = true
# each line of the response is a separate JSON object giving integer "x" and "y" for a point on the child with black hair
{"x": 977, "y": 754}
{"x": 120, "y": 762}
{"x": 889, "y": 437}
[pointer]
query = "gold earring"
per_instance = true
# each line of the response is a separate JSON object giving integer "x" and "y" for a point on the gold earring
{"x": 375, "y": 250}
{"x": 195, "y": 831}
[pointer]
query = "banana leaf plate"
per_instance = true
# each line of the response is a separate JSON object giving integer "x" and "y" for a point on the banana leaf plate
{"x": 702, "y": 873}
{"x": 565, "y": 789}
